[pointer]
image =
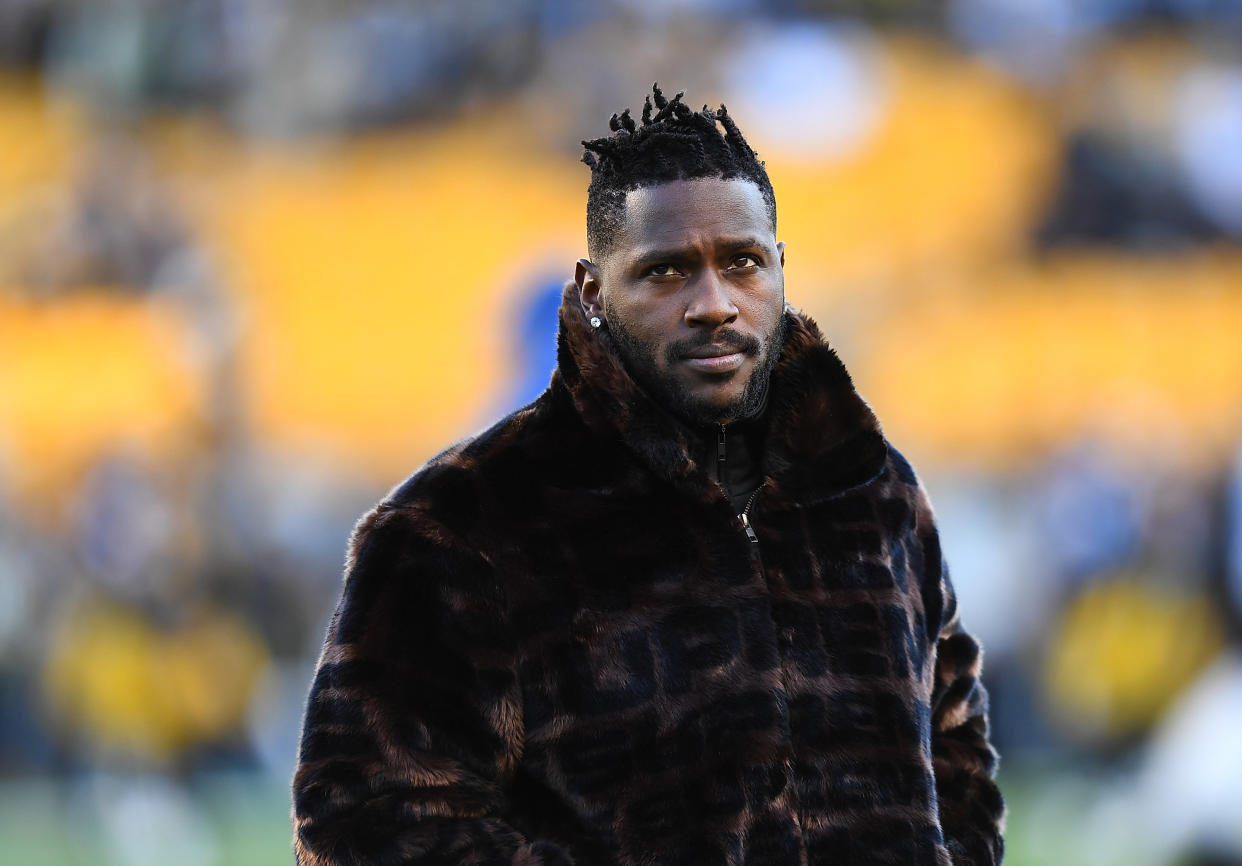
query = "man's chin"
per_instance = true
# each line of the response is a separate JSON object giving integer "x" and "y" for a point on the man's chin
{"x": 722, "y": 401}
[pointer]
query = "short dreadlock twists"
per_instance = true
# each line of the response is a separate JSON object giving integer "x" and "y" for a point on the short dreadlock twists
{"x": 674, "y": 143}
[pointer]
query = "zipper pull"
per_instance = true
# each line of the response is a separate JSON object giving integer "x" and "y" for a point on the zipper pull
{"x": 720, "y": 445}
{"x": 750, "y": 530}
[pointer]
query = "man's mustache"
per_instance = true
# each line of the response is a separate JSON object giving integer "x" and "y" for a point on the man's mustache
{"x": 724, "y": 340}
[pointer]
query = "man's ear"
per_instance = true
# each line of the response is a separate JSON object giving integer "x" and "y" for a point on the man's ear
{"x": 586, "y": 275}
{"x": 780, "y": 248}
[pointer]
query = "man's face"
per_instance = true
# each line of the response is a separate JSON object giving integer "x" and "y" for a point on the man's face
{"x": 693, "y": 290}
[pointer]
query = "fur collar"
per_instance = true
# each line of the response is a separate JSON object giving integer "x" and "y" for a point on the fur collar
{"x": 823, "y": 438}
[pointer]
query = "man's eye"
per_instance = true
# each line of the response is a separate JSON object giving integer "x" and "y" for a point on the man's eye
{"x": 745, "y": 261}
{"x": 662, "y": 270}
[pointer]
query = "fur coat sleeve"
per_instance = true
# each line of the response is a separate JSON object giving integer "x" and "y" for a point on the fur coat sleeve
{"x": 972, "y": 810}
{"x": 414, "y": 721}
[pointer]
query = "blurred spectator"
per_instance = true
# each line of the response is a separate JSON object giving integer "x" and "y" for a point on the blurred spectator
{"x": 117, "y": 227}
{"x": 825, "y": 81}
{"x": 1121, "y": 654}
{"x": 129, "y": 690}
{"x": 1089, "y": 516}
{"x": 1209, "y": 130}
{"x": 1190, "y": 784}
{"x": 1111, "y": 194}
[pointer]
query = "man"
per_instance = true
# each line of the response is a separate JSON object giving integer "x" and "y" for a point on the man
{"x": 688, "y": 607}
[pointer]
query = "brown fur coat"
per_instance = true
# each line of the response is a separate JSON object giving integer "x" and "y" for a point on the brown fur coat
{"x": 556, "y": 645}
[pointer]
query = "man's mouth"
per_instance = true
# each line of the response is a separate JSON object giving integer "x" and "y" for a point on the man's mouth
{"x": 725, "y": 353}
{"x": 714, "y": 350}
{"x": 714, "y": 359}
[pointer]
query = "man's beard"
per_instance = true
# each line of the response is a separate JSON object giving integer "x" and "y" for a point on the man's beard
{"x": 640, "y": 361}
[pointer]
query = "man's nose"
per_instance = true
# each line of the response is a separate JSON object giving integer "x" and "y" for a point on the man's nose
{"x": 711, "y": 304}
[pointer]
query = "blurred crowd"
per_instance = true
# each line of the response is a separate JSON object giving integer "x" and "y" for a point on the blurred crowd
{"x": 1021, "y": 220}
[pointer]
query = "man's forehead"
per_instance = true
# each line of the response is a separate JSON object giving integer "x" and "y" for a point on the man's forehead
{"x": 689, "y": 210}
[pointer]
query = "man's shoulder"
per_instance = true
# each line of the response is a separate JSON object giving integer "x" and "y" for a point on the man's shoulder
{"x": 899, "y": 468}
{"x": 904, "y": 491}
{"x": 897, "y": 491}
{"x": 443, "y": 501}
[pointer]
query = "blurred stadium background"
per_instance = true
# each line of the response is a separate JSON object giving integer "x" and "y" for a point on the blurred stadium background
{"x": 259, "y": 260}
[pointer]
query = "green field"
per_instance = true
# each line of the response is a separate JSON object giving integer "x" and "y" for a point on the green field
{"x": 243, "y": 820}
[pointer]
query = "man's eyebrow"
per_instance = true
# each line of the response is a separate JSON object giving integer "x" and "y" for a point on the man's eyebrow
{"x": 660, "y": 255}
{"x": 671, "y": 254}
{"x": 663, "y": 254}
{"x": 732, "y": 244}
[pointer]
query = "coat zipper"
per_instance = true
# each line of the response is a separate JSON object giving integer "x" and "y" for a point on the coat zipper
{"x": 745, "y": 516}
{"x": 722, "y": 475}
